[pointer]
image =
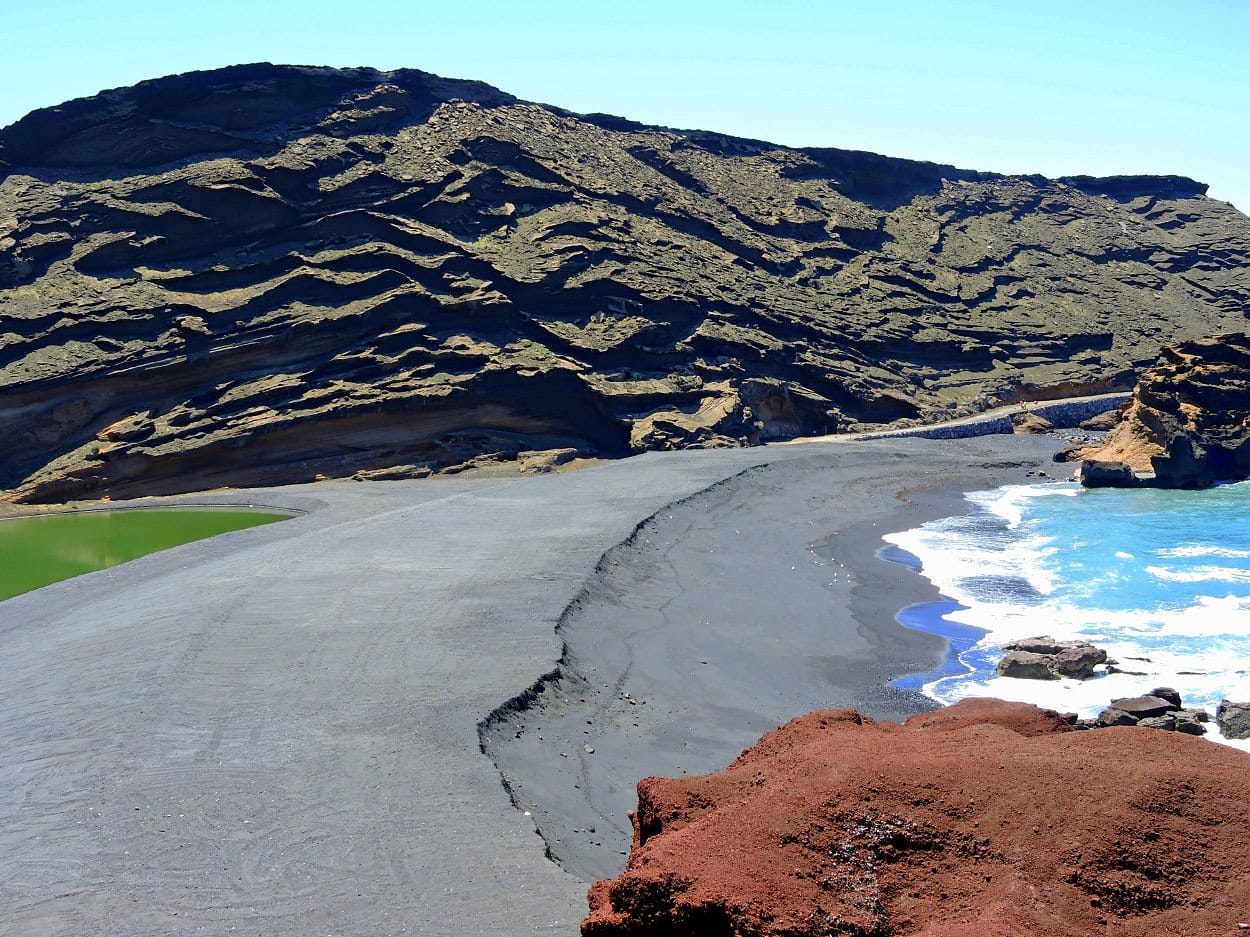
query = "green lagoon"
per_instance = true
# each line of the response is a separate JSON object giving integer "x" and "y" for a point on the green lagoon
{"x": 36, "y": 551}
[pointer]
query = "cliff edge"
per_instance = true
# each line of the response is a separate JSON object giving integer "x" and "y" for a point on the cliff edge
{"x": 979, "y": 820}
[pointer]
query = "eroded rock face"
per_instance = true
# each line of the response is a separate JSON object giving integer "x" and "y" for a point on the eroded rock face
{"x": 982, "y": 818}
{"x": 266, "y": 274}
{"x": 1188, "y": 422}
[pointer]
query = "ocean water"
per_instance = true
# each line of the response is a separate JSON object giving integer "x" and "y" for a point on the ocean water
{"x": 1161, "y": 579}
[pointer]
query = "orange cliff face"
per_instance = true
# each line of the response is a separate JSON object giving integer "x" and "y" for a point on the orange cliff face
{"x": 1189, "y": 420}
{"x": 985, "y": 818}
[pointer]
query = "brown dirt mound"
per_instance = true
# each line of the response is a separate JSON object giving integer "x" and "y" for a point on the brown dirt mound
{"x": 986, "y": 818}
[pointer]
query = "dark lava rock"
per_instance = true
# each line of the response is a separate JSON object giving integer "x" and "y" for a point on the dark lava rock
{"x": 1044, "y": 658}
{"x": 1116, "y": 717}
{"x": 1144, "y": 707}
{"x": 1161, "y": 709}
{"x": 1043, "y": 644}
{"x": 1233, "y": 719}
{"x": 1096, "y": 474}
{"x": 1168, "y": 694}
{"x": 1079, "y": 661}
{"x": 1190, "y": 721}
{"x": 266, "y": 274}
{"x": 1025, "y": 665}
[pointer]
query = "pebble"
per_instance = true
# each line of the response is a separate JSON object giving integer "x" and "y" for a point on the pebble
{"x": 589, "y": 749}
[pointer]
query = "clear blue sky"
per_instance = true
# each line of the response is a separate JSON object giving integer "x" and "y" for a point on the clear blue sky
{"x": 1050, "y": 86}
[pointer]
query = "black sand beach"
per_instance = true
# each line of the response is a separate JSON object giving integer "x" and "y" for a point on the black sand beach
{"x": 279, "y": 731}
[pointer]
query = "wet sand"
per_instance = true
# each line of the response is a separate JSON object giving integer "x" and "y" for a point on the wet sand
{"x": 277, "y": 731}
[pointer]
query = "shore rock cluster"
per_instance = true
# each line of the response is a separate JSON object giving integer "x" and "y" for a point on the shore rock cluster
{"x": 1161, "y": 708}
{"x": 984, "y": 818}
{"x": 267, "y": 274}
{"x": 1044, "y": 658}
{"x": 1188, "y": 424}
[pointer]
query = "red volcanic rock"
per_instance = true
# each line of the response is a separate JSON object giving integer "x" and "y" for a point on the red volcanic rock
{"x": 984, "y": 819}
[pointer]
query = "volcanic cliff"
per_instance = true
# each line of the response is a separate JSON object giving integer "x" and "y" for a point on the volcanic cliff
{"x": 1188, "y": 424}
{"x": 265, "y": 273}
{"x": 985, "y": 819}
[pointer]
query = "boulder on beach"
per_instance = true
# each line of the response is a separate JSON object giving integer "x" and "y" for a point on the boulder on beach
{"x": 1102, "y": 422}
{"x": 1031, "y": 424}
{"x": 984, "y": 818}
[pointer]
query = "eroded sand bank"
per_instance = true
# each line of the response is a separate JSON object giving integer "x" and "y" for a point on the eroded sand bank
{"x": 277, "y": 731}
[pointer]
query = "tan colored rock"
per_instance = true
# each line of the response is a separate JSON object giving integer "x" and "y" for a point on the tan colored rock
{"x": 1189, "y": 420}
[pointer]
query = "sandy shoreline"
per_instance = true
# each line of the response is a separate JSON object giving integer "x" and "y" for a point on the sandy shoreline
{"x": 277, "y": 729}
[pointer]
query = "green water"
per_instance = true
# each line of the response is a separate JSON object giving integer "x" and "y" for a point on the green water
{"x": 36, "y": 551}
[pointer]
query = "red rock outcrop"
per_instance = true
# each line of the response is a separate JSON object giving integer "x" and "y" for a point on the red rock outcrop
{"x": 986, "y": 818}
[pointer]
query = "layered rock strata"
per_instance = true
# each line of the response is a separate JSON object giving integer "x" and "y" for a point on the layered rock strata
{"x": 263, "y": 274}
{"x": 1188, "y": 424}
{"x": 982, "y": 818}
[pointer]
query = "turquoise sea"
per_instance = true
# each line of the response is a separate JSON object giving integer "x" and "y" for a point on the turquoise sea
{"x": 1161, "y": 579}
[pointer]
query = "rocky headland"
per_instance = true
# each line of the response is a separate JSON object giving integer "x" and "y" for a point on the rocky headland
{"x": 266, "y": 273}
{"x": 984, "y": 818}
{"x": 1187, "y": 425}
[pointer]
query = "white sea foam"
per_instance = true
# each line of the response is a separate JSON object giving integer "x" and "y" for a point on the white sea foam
{"x": 1200, "y": 551}
{"x": 1010, "y": 501}
{"x": 1022, "y": 567}
{"x": 1200, "y": 574}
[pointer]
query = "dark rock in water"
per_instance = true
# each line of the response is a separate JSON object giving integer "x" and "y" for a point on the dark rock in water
{"x": 1143, "y": 707}
{"x": 1188, "y": 422}
{"x": 1233, "y": 719}
{"x": 1165, "y": 722}
{"x": 1166, "y": 693}
{"x": 1025, "y": 665}
{"x": 1043, "y": 644}
{"x": 1104, "y": 421}
{"x": 1078, "y": 662}
{"x": 1095, "y": 474}
{"x": 1044, "y": 658}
